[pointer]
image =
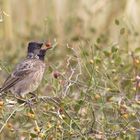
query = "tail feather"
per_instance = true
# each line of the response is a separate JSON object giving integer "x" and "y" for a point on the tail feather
{"x": 1, "y": 94}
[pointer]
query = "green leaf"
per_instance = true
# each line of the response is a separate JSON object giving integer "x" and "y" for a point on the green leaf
{"x": 118, "y": 60}
{"x": 117, "y": 22}
{"x": 80, "y": 102}
{"x": 77, "y": 107}
{"x": 106, "y": 53}
{"x": 137, "y": 50}
{"x": 114, "y": 49}
{"x": 85, "y": 53}
{"x": 33, "y": 135}
{"x": 96, "y": 46}
{"x": 50, "y": 69}
{"x": 98, "y": 40}
{"x": 97, "y": 59}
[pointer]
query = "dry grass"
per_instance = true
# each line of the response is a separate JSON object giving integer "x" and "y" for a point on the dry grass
{"x": 90, "y": 90}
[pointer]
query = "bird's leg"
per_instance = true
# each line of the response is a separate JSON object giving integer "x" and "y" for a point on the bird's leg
{"x": 20, "y": 99}
{"x": 33, "y": 95}
{"x": 2, "y": 95}
{"x": 26, "y": 101}
{"x": 31, "y": 100}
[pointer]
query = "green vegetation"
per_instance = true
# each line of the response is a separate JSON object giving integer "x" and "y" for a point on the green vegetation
{"x": 91, "y": 85}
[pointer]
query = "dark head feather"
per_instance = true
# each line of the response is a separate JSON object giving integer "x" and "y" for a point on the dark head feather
{"x": 33, "y": 49}
{"x": 42, "y": 54}
{"x": 32, "y": 46}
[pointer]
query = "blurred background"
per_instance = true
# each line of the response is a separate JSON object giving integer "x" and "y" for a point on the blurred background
{"x": 93, "y": 39}
{"x": 66, "y": 21}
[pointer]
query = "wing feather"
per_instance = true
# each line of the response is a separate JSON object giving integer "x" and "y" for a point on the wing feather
{"x": 21, "y": 70}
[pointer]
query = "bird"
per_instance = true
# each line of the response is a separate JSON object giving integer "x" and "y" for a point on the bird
{"x": 28, "y": 74}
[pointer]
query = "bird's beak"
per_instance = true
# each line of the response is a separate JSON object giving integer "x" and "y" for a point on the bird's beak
{"x": 46, "y": 46}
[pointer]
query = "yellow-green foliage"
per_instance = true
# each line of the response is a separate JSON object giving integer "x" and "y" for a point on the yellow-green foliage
{"x": 91, "y": 85}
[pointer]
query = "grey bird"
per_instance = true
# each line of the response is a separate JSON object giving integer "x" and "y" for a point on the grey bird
{"x": 28, "y": 74}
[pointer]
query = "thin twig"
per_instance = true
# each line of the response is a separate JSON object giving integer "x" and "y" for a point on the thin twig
{"x": 1, "y": 129}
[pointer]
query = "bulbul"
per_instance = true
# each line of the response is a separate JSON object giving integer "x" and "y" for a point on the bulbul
{"x": 28, "y": 74}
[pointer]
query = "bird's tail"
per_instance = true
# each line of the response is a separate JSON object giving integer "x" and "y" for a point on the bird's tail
{"x": 1, "y": 94}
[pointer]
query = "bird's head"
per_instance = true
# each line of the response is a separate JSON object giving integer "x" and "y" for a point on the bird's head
{"x": 34, "y": 49}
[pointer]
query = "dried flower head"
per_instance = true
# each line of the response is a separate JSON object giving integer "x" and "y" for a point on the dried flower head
{"x": 56, "y": 74}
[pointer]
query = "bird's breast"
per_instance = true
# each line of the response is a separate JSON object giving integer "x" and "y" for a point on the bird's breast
{"x": 36, "y": 78}
{"x": 29, "y": 83}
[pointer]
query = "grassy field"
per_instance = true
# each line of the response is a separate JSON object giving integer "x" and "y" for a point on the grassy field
{"x": 90, "y": 89}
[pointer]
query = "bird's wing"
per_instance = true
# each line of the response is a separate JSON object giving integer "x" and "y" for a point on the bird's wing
{"x": 21, "y": 70}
